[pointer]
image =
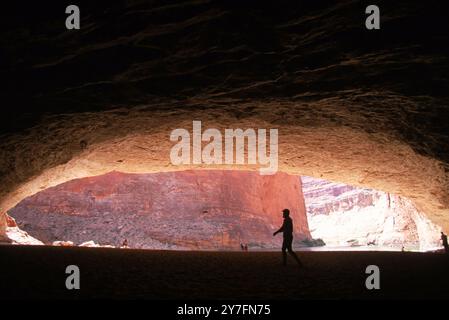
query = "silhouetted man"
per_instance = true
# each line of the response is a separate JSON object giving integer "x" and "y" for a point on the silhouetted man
{"x": 445, "y": 244}
{"x": 287, "y": 230}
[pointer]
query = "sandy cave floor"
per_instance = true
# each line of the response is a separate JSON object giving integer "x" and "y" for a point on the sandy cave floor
{"x": 39, "y": 272}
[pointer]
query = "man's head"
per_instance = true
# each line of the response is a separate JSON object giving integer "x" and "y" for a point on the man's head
{"x": 285, "y": 213}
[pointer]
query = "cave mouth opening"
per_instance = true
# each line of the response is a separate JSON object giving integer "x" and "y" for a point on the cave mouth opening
{"x": 218, "y": 210}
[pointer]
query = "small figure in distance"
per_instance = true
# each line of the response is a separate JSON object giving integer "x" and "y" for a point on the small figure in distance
{"x": 445, "y": 244}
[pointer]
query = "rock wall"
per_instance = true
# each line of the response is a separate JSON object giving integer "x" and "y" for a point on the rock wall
{"x": 346, "y": 215}
{"x": 3, "y": 227}
{"x": 184, "y": 210}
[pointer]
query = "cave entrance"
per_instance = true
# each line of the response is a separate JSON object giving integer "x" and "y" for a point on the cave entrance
{"x": 218, "y": 210}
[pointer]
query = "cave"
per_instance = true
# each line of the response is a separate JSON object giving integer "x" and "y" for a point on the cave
{"x": 363, "y": 111}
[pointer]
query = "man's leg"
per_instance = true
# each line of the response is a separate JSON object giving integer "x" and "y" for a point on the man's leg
{"x": 292, "y": 253}
{"x": 284, "y": 253}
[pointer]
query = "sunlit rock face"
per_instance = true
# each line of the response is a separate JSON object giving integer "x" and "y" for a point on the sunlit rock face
{"x": 180, "y": 210}
{"x": 14, "y": 235}
{"x": 343, "y": 215}
{"x": 17, "y": 236}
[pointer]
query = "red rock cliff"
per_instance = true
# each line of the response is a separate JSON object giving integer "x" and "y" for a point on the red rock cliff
{"x": 188, "y": 209}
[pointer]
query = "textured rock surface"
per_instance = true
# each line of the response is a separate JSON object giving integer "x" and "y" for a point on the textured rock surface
{"x": 345, "y": 215}
{"x": 17, "y": 236}
{"x": 190, "y": 209}
{"x": 365, "y": 108}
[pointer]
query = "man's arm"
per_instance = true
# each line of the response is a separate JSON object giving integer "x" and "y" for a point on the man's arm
{"x": 281, "y": 229}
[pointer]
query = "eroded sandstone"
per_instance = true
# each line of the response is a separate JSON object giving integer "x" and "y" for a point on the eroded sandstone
{"x": 183, "y": 210}
{"x": 346, "y": 216}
